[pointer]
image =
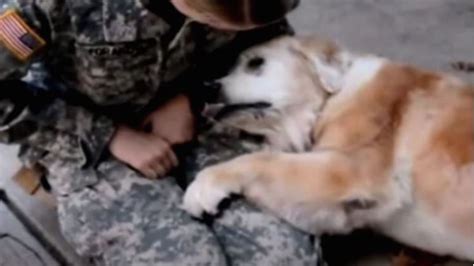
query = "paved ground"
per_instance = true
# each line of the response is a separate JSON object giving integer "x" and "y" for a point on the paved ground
{"x": 8, "y": 163}
{"x": 42, "y": 243}
{"x": 18, "y": 246}
{"x": 429, "y": 33}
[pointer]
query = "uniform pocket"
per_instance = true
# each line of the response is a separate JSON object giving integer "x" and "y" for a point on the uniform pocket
{"x": 118, "y": 73}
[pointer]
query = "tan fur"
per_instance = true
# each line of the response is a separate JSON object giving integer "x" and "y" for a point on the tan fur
{"x": 398, "y": 147}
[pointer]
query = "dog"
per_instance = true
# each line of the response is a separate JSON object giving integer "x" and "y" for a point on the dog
{"x": 353, "y": 141}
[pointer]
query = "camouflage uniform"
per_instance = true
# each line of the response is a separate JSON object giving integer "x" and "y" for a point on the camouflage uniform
{"x": 103, "y": 64}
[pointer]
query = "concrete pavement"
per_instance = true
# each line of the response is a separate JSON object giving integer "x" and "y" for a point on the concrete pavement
{"x": 428, "y": 33}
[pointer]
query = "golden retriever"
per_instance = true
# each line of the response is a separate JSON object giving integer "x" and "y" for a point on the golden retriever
{"x": 354, "y": 140}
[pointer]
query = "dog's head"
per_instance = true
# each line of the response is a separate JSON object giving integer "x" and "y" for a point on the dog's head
{"x": 274, "y": 73}
{"x": 281, "y": 73}
{"x": 287, "y": 81}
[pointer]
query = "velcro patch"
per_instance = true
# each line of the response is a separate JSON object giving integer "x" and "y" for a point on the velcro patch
{"x": 18, "y": 37}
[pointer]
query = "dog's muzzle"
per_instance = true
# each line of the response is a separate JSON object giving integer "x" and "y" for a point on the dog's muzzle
{"x": 217, "y": 106}
{"x": 213, "y": 91}
{"x": 219, "y": 111}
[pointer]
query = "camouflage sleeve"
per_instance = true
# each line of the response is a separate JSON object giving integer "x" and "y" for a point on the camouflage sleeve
{"x": 43, "y": 124}
{"x": 15, "y": 57}
{"x": 19, "y": 45}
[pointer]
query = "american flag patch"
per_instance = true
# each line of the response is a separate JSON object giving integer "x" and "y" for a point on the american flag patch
{"x": 18, "y": 37}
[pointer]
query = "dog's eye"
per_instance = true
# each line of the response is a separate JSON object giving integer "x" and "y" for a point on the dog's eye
{"x": 255, "y": 63}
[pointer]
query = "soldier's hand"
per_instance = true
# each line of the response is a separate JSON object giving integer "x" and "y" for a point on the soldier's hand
{"x": 148, "y": 153}
{"x": 173, "y": 121}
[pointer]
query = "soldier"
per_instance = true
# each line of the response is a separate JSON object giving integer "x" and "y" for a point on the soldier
{"x": 113, "y": 82}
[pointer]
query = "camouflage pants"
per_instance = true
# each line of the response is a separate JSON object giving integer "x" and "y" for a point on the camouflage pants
{"x": 127, "y": 220}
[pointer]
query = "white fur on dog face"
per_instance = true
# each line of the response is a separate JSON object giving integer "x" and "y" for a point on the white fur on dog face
{"x": 281, "y": 74}
{"x": 261, "y": 75}
{"x": 271, "y": 74}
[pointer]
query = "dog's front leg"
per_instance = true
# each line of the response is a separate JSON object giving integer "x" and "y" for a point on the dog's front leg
{"x": 215, "y": 183}
{"x": 304, "y": 189}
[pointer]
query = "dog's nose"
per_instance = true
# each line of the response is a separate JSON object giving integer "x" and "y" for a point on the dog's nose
{"x": 213, "y": 85}
{"x": 213, "y": 90}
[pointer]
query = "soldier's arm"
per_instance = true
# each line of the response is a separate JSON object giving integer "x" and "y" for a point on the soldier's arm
{"x": 20, "y": 46}
{"x": 41, "y": 122}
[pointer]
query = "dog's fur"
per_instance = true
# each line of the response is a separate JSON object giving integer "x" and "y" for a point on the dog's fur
{"x": 377, "y": 144}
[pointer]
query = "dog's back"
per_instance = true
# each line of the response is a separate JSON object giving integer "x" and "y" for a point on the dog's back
{"x": 435, "y": 138}
{"x": 419, "y": 129}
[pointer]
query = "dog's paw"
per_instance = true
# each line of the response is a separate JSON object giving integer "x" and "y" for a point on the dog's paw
{"x": 205, "y": 194}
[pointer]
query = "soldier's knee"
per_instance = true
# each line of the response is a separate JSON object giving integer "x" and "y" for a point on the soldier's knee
{"x": 251, "y": 237}
{"x": 293, "y": 248}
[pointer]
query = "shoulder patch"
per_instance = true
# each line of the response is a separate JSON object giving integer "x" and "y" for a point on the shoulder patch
{"x": 19, "y": 38}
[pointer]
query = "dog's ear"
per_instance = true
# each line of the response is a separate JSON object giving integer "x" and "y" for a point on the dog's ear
{"x": 325, "y": 58}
